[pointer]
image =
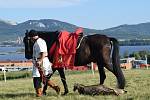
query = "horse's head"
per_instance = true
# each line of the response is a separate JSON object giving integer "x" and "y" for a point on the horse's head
{"x": 77, "y": 87}
{"x": 28, "y": 43}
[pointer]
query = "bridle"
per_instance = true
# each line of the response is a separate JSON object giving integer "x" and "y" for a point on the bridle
{"x": 28, "y": 45}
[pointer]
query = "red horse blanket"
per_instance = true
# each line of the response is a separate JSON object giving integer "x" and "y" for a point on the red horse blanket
{"x": 64, "y": 51}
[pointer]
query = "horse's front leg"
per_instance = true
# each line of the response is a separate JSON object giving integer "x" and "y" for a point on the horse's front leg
{"x": 63, "y": 79}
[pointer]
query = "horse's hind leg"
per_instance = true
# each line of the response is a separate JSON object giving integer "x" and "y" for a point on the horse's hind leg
{"x": 63, "y": 79}
{"x": 104, "y": 61}
{"x": 115, "y": 69}
{"x": 101, "y": 72}
{"x": 107, "y": 59}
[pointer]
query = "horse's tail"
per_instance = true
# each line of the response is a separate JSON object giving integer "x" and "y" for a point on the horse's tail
{"x": 116, "y": 64}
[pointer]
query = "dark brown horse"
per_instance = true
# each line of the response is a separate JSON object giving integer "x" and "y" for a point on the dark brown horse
{"x": 96, "y": 48}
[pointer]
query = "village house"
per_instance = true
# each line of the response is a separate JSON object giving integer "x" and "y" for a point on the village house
{"x": 16, "y": 63}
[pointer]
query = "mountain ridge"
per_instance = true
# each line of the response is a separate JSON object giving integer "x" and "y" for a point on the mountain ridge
{"x": 12, "y": 31}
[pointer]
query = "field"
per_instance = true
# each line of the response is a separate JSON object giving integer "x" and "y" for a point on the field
{"x": 137, "y": 85}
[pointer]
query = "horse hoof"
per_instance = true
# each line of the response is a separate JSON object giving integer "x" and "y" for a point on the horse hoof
{"x": 65, "y": 93}
{"x": 120, "y": 91}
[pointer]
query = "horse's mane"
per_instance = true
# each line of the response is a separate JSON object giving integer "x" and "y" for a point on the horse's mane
{"x": 43, "y": 33}
{"x": 49, "y": 36}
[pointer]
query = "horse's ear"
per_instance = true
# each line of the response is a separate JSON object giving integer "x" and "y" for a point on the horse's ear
{"x": 26, "y": 32}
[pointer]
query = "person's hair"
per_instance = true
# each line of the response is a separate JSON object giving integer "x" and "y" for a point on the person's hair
{"x": 32, "y": 33}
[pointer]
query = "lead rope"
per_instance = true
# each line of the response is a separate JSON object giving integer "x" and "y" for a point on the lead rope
{"x": 41, "y": 74}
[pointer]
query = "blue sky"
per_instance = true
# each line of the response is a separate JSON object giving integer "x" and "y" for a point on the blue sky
{"x": 95, "y": 14}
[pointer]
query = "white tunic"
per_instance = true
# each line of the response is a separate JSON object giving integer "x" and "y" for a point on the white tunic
{"x": 38, "y": 47}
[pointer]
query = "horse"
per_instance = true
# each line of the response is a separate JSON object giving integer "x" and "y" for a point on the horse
{"x": 96, "y": 48}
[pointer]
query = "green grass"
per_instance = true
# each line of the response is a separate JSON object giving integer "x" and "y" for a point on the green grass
{"x": 15, "y": 75}
{"x": 137, "y": 85}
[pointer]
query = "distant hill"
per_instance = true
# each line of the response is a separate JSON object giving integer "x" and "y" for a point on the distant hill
{"x": 138, "y": 31}
{"x": 11, "y": 30}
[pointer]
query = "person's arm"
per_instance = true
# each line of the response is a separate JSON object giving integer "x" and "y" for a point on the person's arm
{"x": 41, "y": 57}
{"x": 43, "y": 51}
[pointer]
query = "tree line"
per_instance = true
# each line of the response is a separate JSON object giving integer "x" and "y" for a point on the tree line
{"x": 134, "y": 42}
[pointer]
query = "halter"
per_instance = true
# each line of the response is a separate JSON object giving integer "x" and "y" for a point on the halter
{"x": 28, "y": 42}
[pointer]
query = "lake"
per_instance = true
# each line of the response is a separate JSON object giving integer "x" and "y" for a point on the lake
{"x": 131, "y": 49}
{"x": 15, "y": 56}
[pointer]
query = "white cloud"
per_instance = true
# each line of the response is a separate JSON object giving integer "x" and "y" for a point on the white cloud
{"x": 38, "y": 3}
